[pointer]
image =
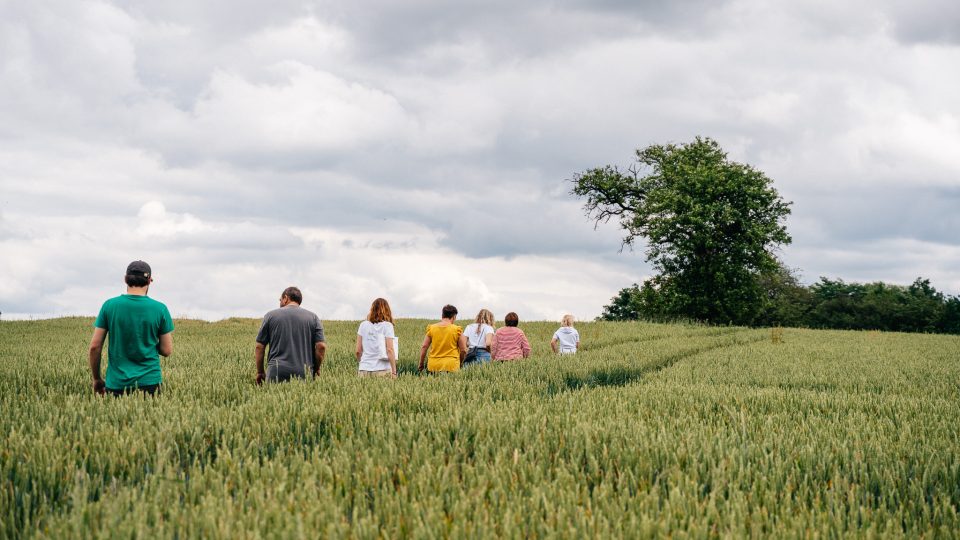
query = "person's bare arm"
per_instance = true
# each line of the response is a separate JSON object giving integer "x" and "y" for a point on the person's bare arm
{"x": 553, "y": 345}
{"x": 319, "y": 353}
{"x": 462, "y": 347}
{"x": 258, "y": 357}
{"x": 96, "y": 352}
{"x": 392, "y": 357}
{"x": 423, "y": 352}
{"x": 359, "y": 350}
{"x": 165, "y": 348}
{"x": 488, "y": 342}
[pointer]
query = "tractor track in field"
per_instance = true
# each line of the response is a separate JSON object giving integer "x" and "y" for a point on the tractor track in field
{"x": 718, "y": 332}
{"x": 619, "y": 376}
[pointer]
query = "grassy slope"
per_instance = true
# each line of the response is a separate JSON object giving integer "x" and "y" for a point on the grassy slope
{"x": 650, "y": 429}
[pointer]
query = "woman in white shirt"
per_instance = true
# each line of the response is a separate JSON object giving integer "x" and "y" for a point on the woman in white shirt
{"x": 477, "y": 338}
{"x": 376, "y": 353}
{"x": 566, "y": 340}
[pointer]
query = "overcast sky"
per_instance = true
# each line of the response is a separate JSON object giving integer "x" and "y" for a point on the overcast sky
{"x": 420, "y": 150}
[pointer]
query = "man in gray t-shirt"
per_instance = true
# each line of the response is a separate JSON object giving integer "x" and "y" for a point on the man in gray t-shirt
{"x": 293, "y": 337}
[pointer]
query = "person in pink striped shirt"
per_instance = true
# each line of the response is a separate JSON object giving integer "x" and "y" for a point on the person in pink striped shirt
{"x": 510, "y": 343}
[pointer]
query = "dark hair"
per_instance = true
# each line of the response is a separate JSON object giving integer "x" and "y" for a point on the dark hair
{"x": 448, "y": 311}
{"x": 511, "y": 319}
{"x": 293, "y": 294}
{"x": 134, "y": 280}
{"x": 380, "y": 311}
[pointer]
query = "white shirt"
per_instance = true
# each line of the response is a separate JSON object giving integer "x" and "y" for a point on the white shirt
{"x": 477, "y": 340}
{"x": 373, "y": 340}
{"x": 568, "y": 338}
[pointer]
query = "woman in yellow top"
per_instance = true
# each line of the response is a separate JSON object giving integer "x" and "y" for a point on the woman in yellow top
{"x": 443, "y": 340}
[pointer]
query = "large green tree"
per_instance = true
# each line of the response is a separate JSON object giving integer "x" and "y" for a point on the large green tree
{"x": 710, "y": 226}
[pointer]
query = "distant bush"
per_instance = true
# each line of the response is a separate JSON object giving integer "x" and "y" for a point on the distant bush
{"x": 918, "y": 307}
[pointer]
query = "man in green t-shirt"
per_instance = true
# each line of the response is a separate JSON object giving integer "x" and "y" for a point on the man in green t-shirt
{"x": 139, "y": 329}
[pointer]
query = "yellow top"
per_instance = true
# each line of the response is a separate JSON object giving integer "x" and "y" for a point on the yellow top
{"x": 444, "y": 351}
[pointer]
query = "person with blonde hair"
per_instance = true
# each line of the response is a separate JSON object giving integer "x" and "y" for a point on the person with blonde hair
{"x": 566, "y": 340}
{"x": 376, "y": 354}
{"x": 510, "y": 343}
{"x": 443, "y": 342}
{"x": 477, "y": 339}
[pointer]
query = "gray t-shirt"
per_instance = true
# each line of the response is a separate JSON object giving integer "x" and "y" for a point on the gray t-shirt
{"x": 290, "y": 334}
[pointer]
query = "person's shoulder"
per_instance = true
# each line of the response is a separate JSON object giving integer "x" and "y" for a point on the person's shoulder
{"x": 113, "y": 301}
{"x": 308, "y": 317}
{"x": 307, "y": 313}
{"x": 110, "y": 305}
{"x": 273, "y": 313}
{"x": 155, "y": 303}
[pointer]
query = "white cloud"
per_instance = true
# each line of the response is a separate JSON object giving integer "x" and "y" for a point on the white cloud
{"x": 307, "y": 40}
{"x": 154, "y": 220}
{"x": 897, "y": 145}
{"x": 304, "y": 110}
{"x": 340, "y": 271}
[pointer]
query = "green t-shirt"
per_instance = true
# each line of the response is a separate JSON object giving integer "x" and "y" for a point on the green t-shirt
{"x": 134, "y": 325}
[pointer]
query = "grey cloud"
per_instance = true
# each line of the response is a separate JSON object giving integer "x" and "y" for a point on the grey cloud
{"x": 403, "y": 37}
{"x": 223, "y": 19}
{"x": 933, "y": 21}
{"x": 892, "y": 261}
{"x": 851, "y": 218}
{"x": 505, "y": 228}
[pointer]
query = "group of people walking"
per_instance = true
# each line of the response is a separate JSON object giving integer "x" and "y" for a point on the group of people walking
{"x": 291, "y": 341}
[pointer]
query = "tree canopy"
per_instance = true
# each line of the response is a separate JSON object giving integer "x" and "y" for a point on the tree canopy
{"x": 710, "y": 224}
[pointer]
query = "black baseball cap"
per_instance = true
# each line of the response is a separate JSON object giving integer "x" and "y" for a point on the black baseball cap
{"x": 138, "y": 268}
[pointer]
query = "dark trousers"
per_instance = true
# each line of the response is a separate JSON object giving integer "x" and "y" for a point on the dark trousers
{"x": 151, "y": 389}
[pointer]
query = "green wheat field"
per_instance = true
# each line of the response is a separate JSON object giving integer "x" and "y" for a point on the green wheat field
{"x": 652, "y": 430}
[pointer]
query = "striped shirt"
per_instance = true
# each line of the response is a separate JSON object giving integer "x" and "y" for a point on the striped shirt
{"x": 510, "y": 344}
